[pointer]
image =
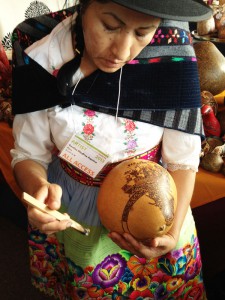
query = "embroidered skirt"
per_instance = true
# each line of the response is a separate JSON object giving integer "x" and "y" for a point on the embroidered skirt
{"x": 69, "y": 265}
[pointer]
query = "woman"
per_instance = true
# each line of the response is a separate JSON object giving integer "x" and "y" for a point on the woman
{"x": 130, "y": 89}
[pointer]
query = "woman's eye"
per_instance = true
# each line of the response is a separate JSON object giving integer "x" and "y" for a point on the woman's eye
{"x": 110, "y": 28}
{"x": 140, "y": 34}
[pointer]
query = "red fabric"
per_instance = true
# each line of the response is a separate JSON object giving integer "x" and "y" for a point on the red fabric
{"x": 6, "y": 143}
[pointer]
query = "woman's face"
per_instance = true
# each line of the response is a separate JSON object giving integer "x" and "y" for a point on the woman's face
{"x": 114, "y": 35}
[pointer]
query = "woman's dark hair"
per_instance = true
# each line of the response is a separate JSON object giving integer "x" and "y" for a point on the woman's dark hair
{"x": 66, "y": 72}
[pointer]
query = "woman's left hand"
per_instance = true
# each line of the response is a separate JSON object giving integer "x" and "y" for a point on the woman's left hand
{"x": 149, "y": 248}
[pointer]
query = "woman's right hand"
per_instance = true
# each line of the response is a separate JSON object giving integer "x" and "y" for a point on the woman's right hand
{"x": 50, "y": 194}
{"x": 149, "y": 249}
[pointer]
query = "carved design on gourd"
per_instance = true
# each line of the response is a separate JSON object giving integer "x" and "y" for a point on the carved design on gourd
{"x": 153, "y": 182}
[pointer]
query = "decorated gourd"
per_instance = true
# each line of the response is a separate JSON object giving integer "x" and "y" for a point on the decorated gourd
{"x": 211, "y": 67}
{"x": 139, "y": 197}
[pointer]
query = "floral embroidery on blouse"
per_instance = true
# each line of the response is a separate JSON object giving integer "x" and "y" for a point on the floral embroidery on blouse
{"x": 130, "y": 139}
{"x": 55, "y": 71}
{"x": 88, "y": 125}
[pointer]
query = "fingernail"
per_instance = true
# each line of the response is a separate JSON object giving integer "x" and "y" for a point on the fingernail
{"x": 69, "y": 224}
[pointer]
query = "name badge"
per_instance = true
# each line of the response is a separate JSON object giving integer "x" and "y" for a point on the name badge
{"x": 84, "y": 156}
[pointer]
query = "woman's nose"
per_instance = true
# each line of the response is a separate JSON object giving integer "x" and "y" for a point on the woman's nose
{"x": 121, "y": 46}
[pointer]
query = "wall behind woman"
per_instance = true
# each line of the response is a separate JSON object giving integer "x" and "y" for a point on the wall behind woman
{"x": 13, "y": 12}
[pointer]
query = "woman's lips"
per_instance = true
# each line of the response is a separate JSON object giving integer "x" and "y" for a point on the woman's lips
{"x": 112, "y": 64}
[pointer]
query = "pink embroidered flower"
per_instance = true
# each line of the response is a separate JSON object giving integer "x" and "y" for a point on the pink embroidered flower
{"x": 85, "y": 280}
{"x": 131, "y": 144}
{"x": 88, "y": 124}
{"x": 89, "y": 113}
{"x": 130, "y": 136}
{"x": 130, "y": 125}
{"x": 88, "y": 129}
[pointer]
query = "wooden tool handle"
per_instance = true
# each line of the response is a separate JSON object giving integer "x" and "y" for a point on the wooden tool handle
{"x": 59, "y": 216}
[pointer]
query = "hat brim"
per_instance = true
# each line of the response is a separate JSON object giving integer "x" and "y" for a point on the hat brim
{"x": 182, "y": 10}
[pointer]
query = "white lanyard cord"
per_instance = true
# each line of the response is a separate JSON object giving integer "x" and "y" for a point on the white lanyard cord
{"x": 118, "y": 99}
{"x": 119, "y": 90}
{"x": 79, "y": 79}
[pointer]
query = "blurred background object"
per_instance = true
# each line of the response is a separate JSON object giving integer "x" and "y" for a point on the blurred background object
{"x": 211, "y": 66}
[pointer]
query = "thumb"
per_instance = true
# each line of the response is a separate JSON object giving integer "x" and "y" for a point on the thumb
{"x": 53, "y": 200}
{"x": 157, "y": 242}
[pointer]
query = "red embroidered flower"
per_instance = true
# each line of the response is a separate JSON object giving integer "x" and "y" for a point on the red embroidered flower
{"x": 88, "y": 269}
{"x": 95, "y": 292}
{"x": 88, "y": 129}
{"x": 194, "y": 293}
{"x": 55, "y": 72}
{"x": 141, "y": 295}
{"x": 89, "y": 113}
{"x": 130, "y": 125}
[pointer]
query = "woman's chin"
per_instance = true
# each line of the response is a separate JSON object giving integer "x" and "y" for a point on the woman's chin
{"x": 109, "y": 69}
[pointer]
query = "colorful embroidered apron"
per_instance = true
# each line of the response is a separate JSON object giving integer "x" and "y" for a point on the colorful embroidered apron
{"x": 68, "y": 265}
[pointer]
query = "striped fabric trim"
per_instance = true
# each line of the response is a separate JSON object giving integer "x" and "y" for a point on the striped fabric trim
{"x": 162, "y": 59}
{"x": 152, "y": 155}
{"x": 186, "y": 120}
{"x": 171, "y": 36}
